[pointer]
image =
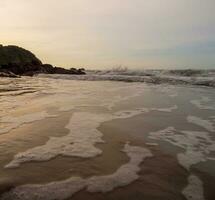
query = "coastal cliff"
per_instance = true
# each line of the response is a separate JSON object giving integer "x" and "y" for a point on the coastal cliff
{"x": 16, "y": 61}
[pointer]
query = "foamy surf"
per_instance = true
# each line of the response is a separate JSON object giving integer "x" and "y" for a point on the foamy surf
{"x": 82, "y": 137}
{"x": 197, "y": 146}
{"x": 206, "y": 124}
{"x": 151, "y": 76}
{"x": 203, "y": 103}
{"x": 194, "y": 189}
{"x": 61, "y": 190}
{"x": 107, "y": 113}
{"x": 126, "y": 174}
{"x": 79, "y": 142}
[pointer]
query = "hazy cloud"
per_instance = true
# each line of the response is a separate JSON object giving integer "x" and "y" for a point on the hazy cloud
{"x": 137, "y": 33}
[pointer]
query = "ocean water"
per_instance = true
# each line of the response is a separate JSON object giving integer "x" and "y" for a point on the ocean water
{"x": 62, "y": 138}
{"x": 173, "y": 77}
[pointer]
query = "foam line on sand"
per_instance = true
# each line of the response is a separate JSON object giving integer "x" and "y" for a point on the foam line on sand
{"x": 61, "y": 190}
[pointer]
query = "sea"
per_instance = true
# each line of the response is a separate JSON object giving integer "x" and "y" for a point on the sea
{"x": 108, "y": 135}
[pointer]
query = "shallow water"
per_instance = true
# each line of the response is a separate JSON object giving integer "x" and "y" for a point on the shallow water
{"x": 52, "y": 130}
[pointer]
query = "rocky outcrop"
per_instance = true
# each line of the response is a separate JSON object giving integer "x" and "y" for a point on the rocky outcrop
{"x": 17, "y": 55}
{"x": 18, "y": 61}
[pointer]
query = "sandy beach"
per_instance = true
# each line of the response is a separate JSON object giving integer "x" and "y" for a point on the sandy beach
{"x": 105, "y": 140}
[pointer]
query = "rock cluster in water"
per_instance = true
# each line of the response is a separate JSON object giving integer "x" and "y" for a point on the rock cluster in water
{"x": 16, "y": 61}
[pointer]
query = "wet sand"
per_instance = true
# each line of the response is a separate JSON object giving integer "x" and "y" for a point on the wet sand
{"x": 161, "y": 176}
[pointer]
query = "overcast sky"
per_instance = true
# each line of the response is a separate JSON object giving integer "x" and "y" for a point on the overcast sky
{"x": 108, "y": 33}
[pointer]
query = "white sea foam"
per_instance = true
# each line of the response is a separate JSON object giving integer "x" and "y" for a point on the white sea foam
{"x": 126, "y": 174}
{"x": 190, "y": 158}
{"x": 119, "y": 98}
{"x": 56, "y": 190}
{"x": 206, "y": 124}
{"x": 151, "y": 77}
{"x": 170, "y": 109}
{"x": 9, "y": 123}
{"x": 109, "y": 99}
{"x": 61, "y": 190}
{"x": 194, "y": 189}
{"x": 138, "y": 111}
{"x": 197, "y": 146}
{"x": 201, "y": 103}
{"x": 151, "y": 144}
{"x": 169, "y": 90}
{"x": 81, "y": 140}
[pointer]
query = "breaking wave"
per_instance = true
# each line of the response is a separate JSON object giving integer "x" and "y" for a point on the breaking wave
{"x": 175, "y": 77}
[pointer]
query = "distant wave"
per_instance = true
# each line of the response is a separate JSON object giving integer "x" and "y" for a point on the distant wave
{"x": 175, "y": 77}
{"x": 128, "y": 72}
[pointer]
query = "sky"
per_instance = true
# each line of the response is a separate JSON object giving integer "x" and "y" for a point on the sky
{"x": 109, "y": 33}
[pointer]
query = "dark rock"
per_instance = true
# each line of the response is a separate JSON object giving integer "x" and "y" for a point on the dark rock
{"x": 19, "y": 61}
{"x": 8, "y": 74}
{"x": 10, "y": 55}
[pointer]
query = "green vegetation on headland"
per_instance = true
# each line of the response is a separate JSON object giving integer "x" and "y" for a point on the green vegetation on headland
{"x": 16, "y": 61}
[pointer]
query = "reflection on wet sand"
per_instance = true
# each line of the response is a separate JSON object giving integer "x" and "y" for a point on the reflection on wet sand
{"x": 80, "y": 129}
